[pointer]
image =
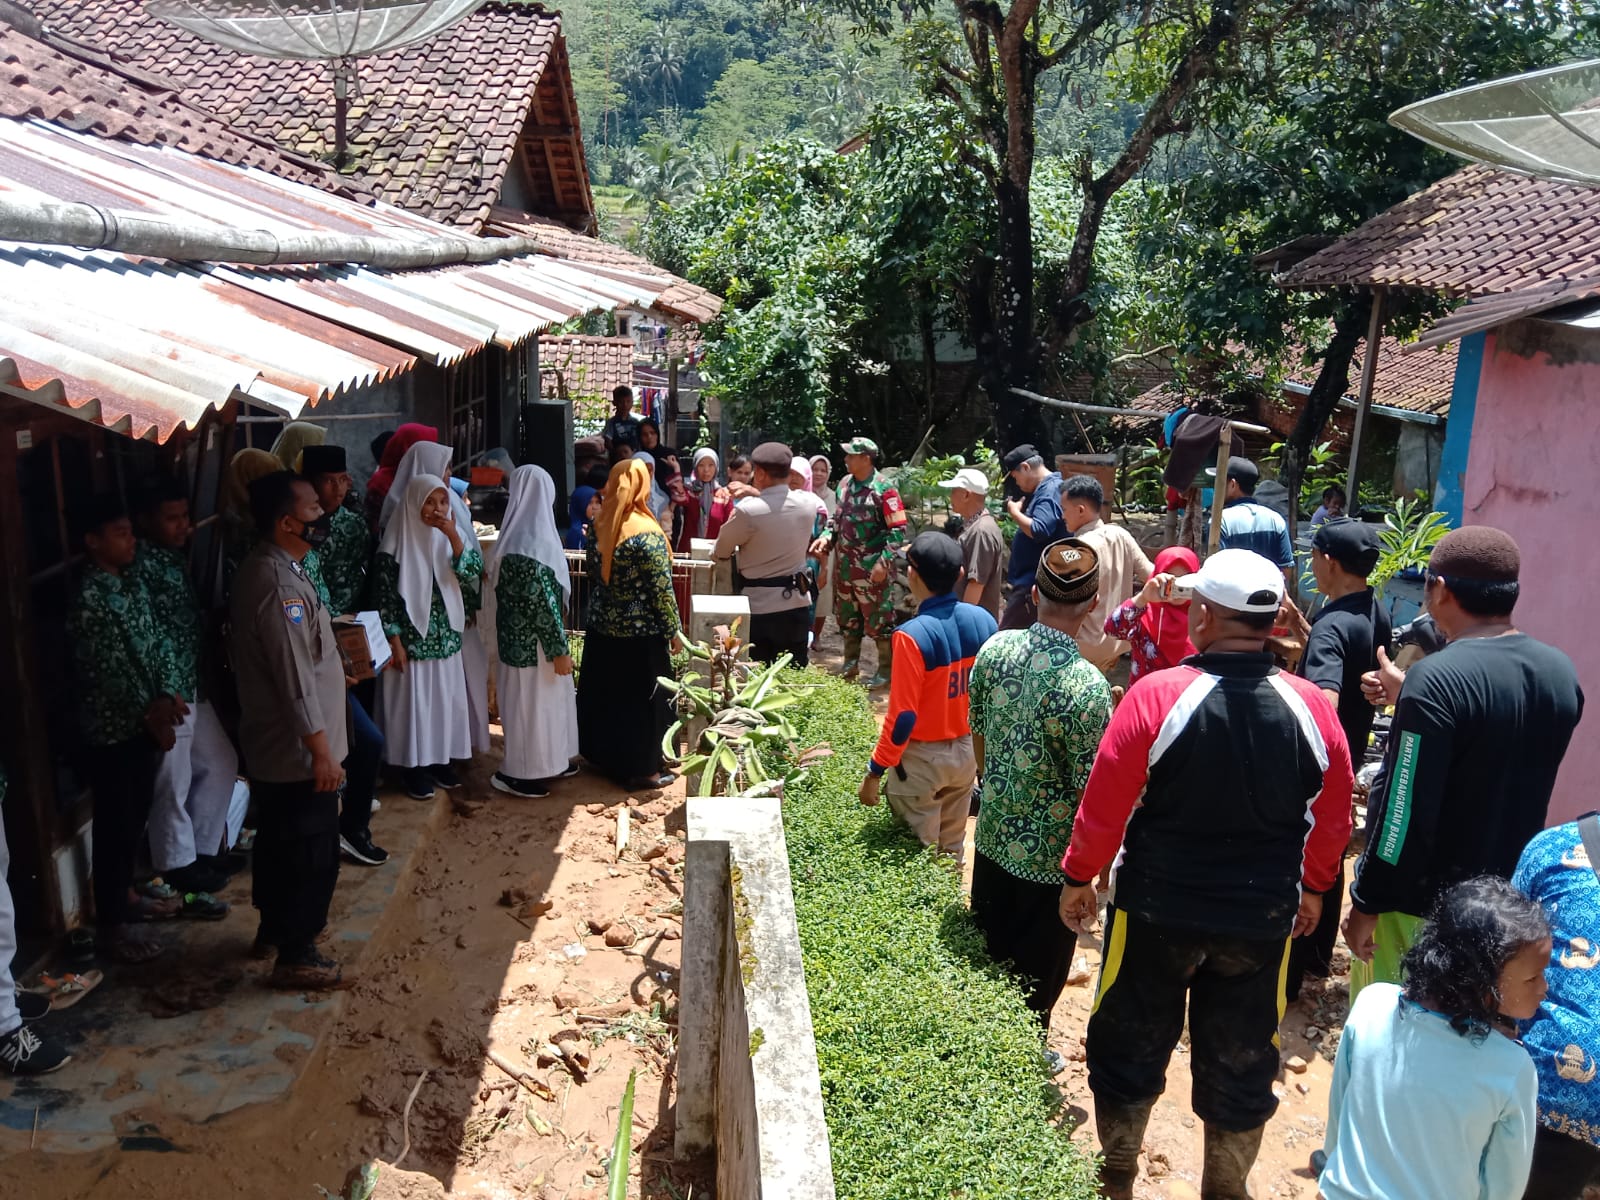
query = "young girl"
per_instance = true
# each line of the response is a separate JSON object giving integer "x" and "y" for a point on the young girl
{"x": 417, "y": 577}
{"x": 1157, "y": 630}
{"x": 527, "y": 586}
{"x": 1432, "y": 1095}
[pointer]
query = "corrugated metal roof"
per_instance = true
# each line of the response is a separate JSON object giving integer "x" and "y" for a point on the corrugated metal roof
{"x": 165, "y": 342}
{"x": 1490, "y": 311}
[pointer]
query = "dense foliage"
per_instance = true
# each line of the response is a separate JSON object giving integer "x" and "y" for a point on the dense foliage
{"x": 931, "y": 1068}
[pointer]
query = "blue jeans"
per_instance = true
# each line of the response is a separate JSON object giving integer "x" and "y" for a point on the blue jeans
{"x": 361, "y": 767}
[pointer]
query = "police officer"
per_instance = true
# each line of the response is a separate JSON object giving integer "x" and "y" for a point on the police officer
{"x": 771, "y": 532}
{"x": 868, "y": 526}
{"x": 291, "y": 727}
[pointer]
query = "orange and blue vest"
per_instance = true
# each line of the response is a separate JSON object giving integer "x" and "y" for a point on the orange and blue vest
{"x": 933, "y": 654}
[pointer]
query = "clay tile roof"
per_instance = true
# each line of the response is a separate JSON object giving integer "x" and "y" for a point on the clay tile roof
{"x": 682, "y": 299}
{"x": 1419, "y": 381}
{"x": 78, "y": 87}
{"x": 1474, "y": 233}
{"x": 436, "y": 127}
{"x": 589, "y": 366}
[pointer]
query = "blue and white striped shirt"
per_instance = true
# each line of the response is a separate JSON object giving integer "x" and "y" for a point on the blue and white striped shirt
{"x": 1247, "y": 525}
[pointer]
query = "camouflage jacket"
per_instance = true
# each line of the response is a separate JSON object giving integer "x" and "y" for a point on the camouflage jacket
{"x": 869, "y": 523}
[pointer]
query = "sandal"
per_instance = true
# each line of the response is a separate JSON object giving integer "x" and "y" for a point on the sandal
{"x": 133, "y": 949}
{"x": 63, "y": 991}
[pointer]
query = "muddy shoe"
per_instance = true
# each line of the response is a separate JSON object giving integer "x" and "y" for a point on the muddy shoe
{"x": 1229, "y": 1157}
{"x": 309, "y": 972}
{"x": 23, "y": 1052}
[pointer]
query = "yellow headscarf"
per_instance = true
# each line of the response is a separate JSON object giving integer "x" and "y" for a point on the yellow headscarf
{"x": 296, "y": 436}
{"x": 244, "y": 468}
{"x": 625, "y": 511}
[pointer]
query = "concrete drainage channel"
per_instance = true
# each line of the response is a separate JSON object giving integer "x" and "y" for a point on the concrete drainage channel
{"x": 749, "y": 1089}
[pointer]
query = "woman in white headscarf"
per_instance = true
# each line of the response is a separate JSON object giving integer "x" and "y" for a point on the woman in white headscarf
{"x": 526, "y": 589}
{"x": 419, "y": 577}
{"x": 433, "y": 458}
{"x": 709, "y": 505}
{"x": 821, "y": 473}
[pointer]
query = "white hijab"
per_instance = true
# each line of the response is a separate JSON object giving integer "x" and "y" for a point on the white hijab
{"x": 660, "y": 502}
{"x": 529, "y": 527}
{"x": 423, "y": 553}
{"x": 433, "y": 459}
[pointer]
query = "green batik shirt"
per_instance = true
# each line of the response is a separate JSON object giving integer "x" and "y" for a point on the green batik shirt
{"x": 441, "y": 641}
{"x": 638, "y": 601}
{"x": 237, "y": 546}
{"x": 116, "y": 652}
{"x": 343, "y": 560}
{"x": 1041, "y": 709}
{"x": 869, "y": 522}
{"x": 165, "y": 575}
{"x": 527, "y": 614}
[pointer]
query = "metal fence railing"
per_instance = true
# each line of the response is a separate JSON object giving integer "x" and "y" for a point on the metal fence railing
{"x": 690, "y": 577}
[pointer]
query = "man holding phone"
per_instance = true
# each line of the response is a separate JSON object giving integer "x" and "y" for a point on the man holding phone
{"x": 1039, "y": 522}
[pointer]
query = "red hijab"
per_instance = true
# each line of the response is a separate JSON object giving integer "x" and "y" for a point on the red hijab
{"x": 382, "y": 479}
{"x": 1168, "y": 623}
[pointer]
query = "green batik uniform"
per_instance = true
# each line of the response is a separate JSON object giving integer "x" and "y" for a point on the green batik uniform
{"x": 343, "y": 560}
{"x": 165, "y": 576}
{"x": 440, "y": 641}
{"x": 527, "y": 614}
{"x": 1041, "y": 708}
{"x": 237, "y": 546}
{"x": 638, "y": 601}
{"x": 867, "y": 528}
{"x": 121, "y": 664}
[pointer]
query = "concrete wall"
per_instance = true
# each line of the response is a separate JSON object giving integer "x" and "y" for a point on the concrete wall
{"x": 1531, "y": 466}
{"x": 748, "y": 1082}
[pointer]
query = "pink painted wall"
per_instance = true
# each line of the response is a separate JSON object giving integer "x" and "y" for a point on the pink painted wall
{"x": 1532, "y": 470}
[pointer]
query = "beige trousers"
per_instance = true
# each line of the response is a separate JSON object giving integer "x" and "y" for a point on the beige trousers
{"x": 935, "y": 797}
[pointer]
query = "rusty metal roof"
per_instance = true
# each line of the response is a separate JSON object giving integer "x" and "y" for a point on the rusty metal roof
{"x": 164, "y": 342}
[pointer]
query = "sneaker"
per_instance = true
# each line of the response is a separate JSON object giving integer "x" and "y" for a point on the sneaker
{"x": 196, "y": 878}
{"x": 420, "y": 784}
{"x": 361, "y": 848}
{"x": 203, "y": 906}
{"x": 572, "y": 769}
{"x": 24, "y": 1052}
{"x": 310, "y": 971}
{"x": 877, "y": 681}
{"x": 445, "y": 776}
{"x": 31, "y": 1006}
{"x": 1054, "y": 1063}
{"x": 1319, "y": 1162}
{"x": 530, "y": 789}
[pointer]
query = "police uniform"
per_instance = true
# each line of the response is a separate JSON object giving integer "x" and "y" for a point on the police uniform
{"x": 867, "y": 527}
{"x": 291, "y": 685}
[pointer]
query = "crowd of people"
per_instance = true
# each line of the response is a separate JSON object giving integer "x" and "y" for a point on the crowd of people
{"x": 1206, "y": 784}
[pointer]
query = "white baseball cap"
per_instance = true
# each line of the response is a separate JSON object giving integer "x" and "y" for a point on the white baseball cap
{"x": 1241, "y": 580}
{"x": 970, "y": 478}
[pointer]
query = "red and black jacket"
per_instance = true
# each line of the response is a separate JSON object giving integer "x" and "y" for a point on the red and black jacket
{"x": 1226, "y": 783}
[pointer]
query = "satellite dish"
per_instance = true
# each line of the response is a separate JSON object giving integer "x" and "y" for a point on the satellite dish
{"x": 337, "y": 32}
{"x": 1544, "y": 123}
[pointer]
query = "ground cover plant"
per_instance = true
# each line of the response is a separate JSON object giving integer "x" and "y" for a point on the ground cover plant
{"x": 931, "y": 1064}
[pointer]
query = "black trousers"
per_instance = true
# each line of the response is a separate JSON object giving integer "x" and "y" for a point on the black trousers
{"x": 1020, "y": 611}
{"x": 122, "y": 781}
{"x": 1563, "y": 1167}
{"x": 296, "y": 863}
{"x": 361, "y": 767}
{"x": 772, "y": 634}
{"x": 1313, "y": 954}
{"x": 1021, "y": 923}
{"x": 1235, "y": 1001}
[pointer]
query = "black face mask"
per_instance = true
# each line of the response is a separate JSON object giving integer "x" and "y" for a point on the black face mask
{"x": 315, "y": 533}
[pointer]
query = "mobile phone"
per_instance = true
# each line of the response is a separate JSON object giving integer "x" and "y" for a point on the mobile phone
{"x": 1178, "y": 594}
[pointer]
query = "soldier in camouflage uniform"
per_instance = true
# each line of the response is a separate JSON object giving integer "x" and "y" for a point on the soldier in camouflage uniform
{"x": 868, "y": 527}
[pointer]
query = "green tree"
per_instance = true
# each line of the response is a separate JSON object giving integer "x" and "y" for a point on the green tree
{"x": 1300, "y": 145}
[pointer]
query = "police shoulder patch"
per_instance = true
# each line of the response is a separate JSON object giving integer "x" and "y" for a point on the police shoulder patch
{"x": 295, "y": 612}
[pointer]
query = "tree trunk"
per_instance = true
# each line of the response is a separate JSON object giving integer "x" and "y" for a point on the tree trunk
{"x": 1332, "y": 385}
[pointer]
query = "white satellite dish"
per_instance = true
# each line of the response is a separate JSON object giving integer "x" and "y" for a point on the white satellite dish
{"x": 1544, "y": 123}
{"x": 337, "y": 32}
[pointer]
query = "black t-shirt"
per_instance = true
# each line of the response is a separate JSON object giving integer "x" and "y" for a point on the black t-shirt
{"x": 1343, "y": 646}
{"x": 1478, "y": 736}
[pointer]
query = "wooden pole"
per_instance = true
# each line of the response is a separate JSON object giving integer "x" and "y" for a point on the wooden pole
{"x": 1369, "y": 376}
{"x": 1219, "y": 492}
{"x": 672, "y": 400}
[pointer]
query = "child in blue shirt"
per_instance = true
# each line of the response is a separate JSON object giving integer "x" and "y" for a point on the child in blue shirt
{"x": 1432, "y": 1096}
